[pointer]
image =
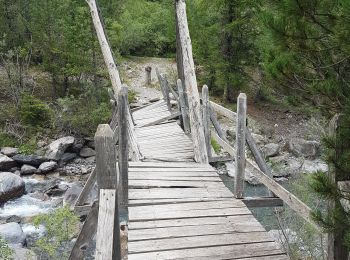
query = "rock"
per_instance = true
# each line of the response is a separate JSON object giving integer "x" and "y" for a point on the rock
{"x": 41, "y": 144}
{"x": 271, "y": 150}
{"x": 302, "y": 148}
{"x": 248, "y": 176}
{"x": 11, "y": 186}
{"x": 20, "y": 253}
{"x": 284, "y": 166}
{"x": 56, "y": 149}
{"x": 34, "y": 160}
{"x": 6, "y": 162}
{"x": 57, "y": 190}
{"x": 67, "y": 157}
{"x": 12, "y": 233}
{"x": 76, "y": 147}
{"x": 9, "y": 151}
{"x": 87, "y": 152}
{"x": 154, "y": 100}
{"x": 344, "y": 187}
{"x": 314, "y": 166}
{"x": 91, "y": 159}
{"x": 91, "y": 144}
{"x": 28, "y": 169}
{"x": 259, "y": 139}
{"x": 72, "y": 194}
{"x": 39, "y": 195}
{"x": 47, "y": 166}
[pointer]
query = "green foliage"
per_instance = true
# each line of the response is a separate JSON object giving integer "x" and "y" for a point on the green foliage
{"x": 29, "y": 146}
{"x": 6, "y": 252}
{"x": 132, "y": 96}
{"x": 34, "y": 112}
{"x": 61, "y": 225}
{"x": 216, "y": 146}
{"x": 7, "y": 140}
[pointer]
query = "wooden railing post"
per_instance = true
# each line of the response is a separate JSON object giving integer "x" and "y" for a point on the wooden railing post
{"x": 166, "y": 91}
{"x": 206, "y": 118}
{"x": 240, "y": 144}
{"x": 108, "y": 230}
{"x": 183, "y": 107}
{"x": 123, "y": 148}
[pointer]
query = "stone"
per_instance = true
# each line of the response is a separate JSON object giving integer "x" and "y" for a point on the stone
{"x": 344, "y": 187}
{"x": 57, "y": 190}
{"x": 259, "y": 139}
{"x": 11, "y": 186}
{"x": 48, "y": 166}
{"x": 67, "y": 157}
{"x": 271, "y": 150}
{"x": 56, "y": 149}
{"x": 40, "y": 196}
{"x": 91, "y": 144}
{"x": 91, "y": 159}
{"x": 248, "y": 176}
{"x": 87, "y": 152}
{"x": 12, "y": 233}
{"x": 20, "y": 253}
{"x": 314, "y": 166}
{"x": 41, "y": 144}
{"x": 28, "y": 169}
{"x": 285, "y": 166}
{"x": 34, "y": 160}
{"x": 6, "y": 163}
{"x": 9, "y": 151}
{"x": 72, "y": 194}
{"x": 303, "y": 148}
{"x": 76, "y": 147}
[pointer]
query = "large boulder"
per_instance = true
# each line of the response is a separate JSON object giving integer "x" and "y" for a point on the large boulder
{"x": 6, "y": 163}
{"x": 285, "y": 166}
{"x": 67, "y": 157}
{"x": 303, "y": 148}
{"x": 12, "y": 233}
{"x": 248, "y": 176}
{"x": 72, "y": 194}
{"x": 271, "y": 150}
{"x": 47, "y": 167}
{"x": 87, "y": 152}
{"x": 314, "y": 166}
{"x": 9, "y": 151}
{"x": 28, "y": 169}
{"x": 11, "y": 186}
{"x": 34, "y": 160}
{"x": 56, "y": 149}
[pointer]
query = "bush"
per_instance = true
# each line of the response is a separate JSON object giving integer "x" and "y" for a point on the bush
{"x": 61, "y": 225}
{"x": 6, "y": 252}
{"x": 34, "y": 112}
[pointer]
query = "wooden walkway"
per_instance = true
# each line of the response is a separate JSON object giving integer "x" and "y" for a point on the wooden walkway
{"x": 181, "y": 209}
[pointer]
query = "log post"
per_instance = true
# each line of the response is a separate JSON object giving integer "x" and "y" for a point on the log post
{"x": 166, "y": 91}
{"x": 216, "y": 124}
{"x": 240, "y": 145}
{"x": 108, "y": 230}
{"x": 148, "y": 70}
{"x": 187, "y": 70}
{"x": 123, "y": 148}
{"x": 183, "y": 107}
{"x": 206, "y": 118}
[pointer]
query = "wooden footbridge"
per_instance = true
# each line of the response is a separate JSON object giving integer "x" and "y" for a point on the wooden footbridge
{"x": 156, "y": 172}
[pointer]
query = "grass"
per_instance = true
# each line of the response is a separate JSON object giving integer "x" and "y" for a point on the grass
{"x": 132, "y": 94}
{"x": 216, "y": 146}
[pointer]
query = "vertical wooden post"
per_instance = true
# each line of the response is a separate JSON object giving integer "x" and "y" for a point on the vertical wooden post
{"x": 183, "y": 107}
{"x": 240, "y": 145}
{"x": 206, "y": 118}
{"x": 166, "y": 91}
{"x": 123, "y": 148}
{"x": 148, "y": 70}
{"x": 108, "y": 230}
{"x": 187, "y": 70}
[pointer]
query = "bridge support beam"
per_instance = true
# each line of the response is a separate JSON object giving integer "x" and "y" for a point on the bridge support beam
{"x": 186, "y": 71}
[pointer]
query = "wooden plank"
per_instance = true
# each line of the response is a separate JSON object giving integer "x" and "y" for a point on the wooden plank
{"x": 206, "y": 119}
{"x": 178, "y": 169}
{"x": 263, "y": 202}
{"x": 162, "y": 119}
{"x": 240, "y": 220}
{"x": 166, "y": 183}
{"x": 84, "y": 194}
{"x": 165, "y": 165}
{"x": 238, "y": 251}
{"x": 240, "y": 145}
{"x": 183, "y": 107}
{"x": 145, "y": 177}
{"x": 176, "y": 96}
{"x": 123, "y": 149}
{"x": 198, "y": 241}
{"x": 221, "y": 159}
{"x": 223, "y": 110}
{"x": 108, "y": 231}
{"x": 186, "y": 231}
{"x": 190, "y": 83}
{"x": 216, "y": 125}
{"x": 147, "y": 202}
{"x": 87, "y": 232}
{"x": 105, "y": 158}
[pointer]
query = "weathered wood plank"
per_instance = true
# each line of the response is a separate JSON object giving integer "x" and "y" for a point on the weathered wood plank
{"x": 108, "y": 231}
{"x": 87, "y": 232}
{"x": 216, "y": 125}
{"x": 84, "y": 195}
{"x": 166, "y": 183}
{"x": 183, "y": 107}
{"x": 162, "y": 119}
{"x": 240, "y": 145}
{"x": 206, "y": 119}
{"x": 263, "y": 202}
{"x": 198, "y": 241}
{"x": 223, "y": 110}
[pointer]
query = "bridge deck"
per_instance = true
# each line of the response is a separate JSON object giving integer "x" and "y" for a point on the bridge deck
{"x": 181, "y": 209}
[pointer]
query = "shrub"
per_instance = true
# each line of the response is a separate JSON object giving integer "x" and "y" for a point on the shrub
{"x": 6, "y": 252}
{"x": 34, "y": 112}
{"x": 216, "y": 146}
{"x": 61, "y": 225}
